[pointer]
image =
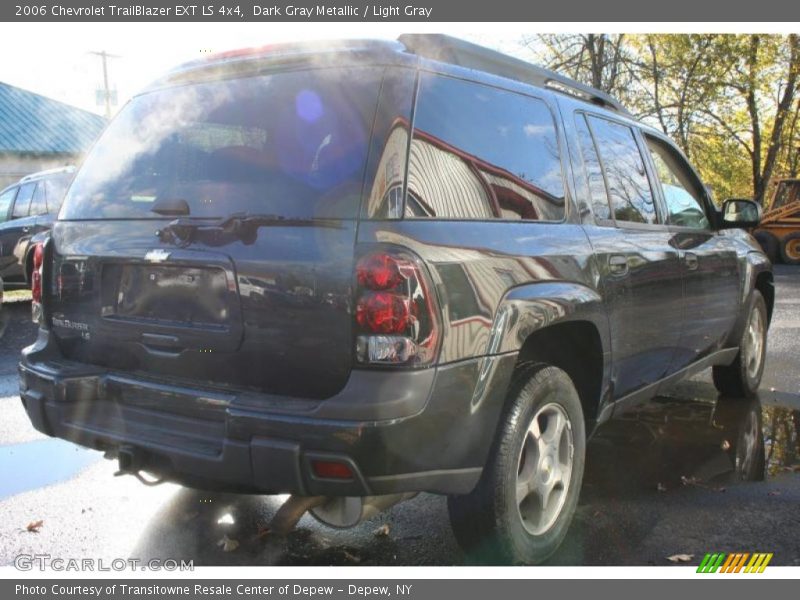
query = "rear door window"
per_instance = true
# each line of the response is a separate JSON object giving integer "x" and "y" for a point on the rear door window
{"x": 625, "y": 173}
{"x": 593, "y": 170}
{"x": 480, "y": 152}
{"x": 290, "y": 144}
{"x": 38, "y": 202}
{"x": 22, "y": 205}
{"x": 6, "y": 199}
{"x": 55, "y": 191}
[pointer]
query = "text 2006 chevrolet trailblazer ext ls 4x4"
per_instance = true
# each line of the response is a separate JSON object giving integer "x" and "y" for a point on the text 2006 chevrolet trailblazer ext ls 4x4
{"x": 356, "y": 271}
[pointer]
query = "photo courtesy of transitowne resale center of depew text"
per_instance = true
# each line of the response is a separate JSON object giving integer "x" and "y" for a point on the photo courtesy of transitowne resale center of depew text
{"x": 370, "y": 300}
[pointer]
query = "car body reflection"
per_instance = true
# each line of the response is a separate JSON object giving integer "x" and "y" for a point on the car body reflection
{"x": 693, "y": 436}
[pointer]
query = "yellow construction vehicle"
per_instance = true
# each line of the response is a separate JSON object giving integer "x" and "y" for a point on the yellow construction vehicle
{"x": 779, "y": 230}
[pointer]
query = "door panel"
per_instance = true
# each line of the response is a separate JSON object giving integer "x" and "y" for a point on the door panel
{"x": 640, "y": 272}
{"x": 638, "y": 262}
{"x": 708, "y": 260}
{"x": 711, "y": 293}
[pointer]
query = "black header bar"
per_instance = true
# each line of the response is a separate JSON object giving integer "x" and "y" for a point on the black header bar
{"x": 409, "y": 11}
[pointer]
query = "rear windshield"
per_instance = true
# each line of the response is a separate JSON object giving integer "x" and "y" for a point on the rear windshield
{"x": 291, "y": 144}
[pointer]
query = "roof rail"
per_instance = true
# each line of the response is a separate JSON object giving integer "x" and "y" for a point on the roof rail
{"x": 46, "y": 172}
{"x": 445, "y": 48}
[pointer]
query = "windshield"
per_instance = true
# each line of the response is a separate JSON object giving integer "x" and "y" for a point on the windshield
{"x": 291, "y": 144}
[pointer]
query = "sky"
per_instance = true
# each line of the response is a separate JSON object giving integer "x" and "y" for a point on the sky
{"x": 56, "y": 60}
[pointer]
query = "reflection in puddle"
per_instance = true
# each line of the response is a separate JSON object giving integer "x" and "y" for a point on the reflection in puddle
{"x": 41, "y": 463}
{"x": 782, "y": 439}
{"x": 694, "y": 437}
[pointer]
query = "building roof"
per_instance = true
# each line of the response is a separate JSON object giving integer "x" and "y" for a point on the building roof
{"x": 34, "y": 124}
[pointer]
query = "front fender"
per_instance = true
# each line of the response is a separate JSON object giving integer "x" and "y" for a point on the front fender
{"x": 752, "y": 265}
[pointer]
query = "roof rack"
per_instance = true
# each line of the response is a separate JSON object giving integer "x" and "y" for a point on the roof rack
{"x": 445, "y": 48}
{"x": 46, "y": 172}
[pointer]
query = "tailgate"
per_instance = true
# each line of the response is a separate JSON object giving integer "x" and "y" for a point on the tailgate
{"x": 276, "y": 319}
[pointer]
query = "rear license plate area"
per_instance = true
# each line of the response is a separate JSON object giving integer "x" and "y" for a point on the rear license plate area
{"x": 173, "y": 295}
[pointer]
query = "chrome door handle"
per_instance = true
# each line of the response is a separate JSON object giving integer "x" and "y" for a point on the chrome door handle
{"x": 618, "y": 264}
{"x": 26, "y": 229}
{"x": 691, "y": 260}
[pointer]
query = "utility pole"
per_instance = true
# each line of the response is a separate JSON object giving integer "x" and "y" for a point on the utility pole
{"x": 104, "y": 56}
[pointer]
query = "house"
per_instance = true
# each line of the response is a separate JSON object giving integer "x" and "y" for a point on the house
{"x": 39, "y": 133}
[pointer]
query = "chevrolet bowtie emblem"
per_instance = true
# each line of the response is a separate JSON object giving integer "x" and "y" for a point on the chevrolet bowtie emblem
{"x": 156, "y": 256}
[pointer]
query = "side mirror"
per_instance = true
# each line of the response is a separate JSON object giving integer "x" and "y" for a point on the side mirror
{"x": 740, "y": 213}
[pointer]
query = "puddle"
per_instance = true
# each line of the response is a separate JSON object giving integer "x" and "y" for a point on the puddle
{"x": 781, "y": 439}
{"x": 41, "y": 463}
{"x": 695, "y": 437}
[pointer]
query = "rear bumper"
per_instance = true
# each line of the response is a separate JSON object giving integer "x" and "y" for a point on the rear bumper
{"x": 427, "y": 430}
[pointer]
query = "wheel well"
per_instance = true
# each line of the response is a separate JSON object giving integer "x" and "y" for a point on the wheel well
{"x": 574, "y": 347}
{"x": 764, "y": 284}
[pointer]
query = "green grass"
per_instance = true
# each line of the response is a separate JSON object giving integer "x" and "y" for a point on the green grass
{"x": 16, "y": 295}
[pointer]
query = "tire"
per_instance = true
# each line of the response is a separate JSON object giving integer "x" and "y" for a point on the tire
{"x": 748, "y": 454}
{"x": 742, "y": 377}
{"x": 769, "y": 244}
{"x": 488, "y": 523}
{"x": 790, "y": 248}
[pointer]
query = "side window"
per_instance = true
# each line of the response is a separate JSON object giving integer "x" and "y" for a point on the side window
{"x": 594, "y": 171}
{"x": 56, "y": 189}
{"x": 38, "y": 202}
{"x": 23, "y": 204}
{"x": 6, "y": 198}
{"x": 682, "y": 196}
{"x": 628, "y": 187}
{"x": 482, "y": 153}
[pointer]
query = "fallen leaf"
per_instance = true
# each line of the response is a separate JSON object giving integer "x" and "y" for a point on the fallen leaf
{"x": 774, "y": 493}
{"x": 661, "y": 487}
{"x": 35, "y": 526}
{"x": 676, "y": 558}
{"x": 382, "y": 531}
{"x": 262, "y": 532}
{"x": 351, "y": 557}
{"x": 689, "y": 480}
{"x": 227, "y": 544}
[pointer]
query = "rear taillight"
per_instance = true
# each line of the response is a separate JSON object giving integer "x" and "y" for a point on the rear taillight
{"x": 396, "y": 313}
{"x": 36, "y": 282}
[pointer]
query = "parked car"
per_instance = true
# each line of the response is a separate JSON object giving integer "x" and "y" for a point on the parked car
{"x": 472, "y": 263}
{"x": 28, "y": 207}
{"x": 3, "y": 314}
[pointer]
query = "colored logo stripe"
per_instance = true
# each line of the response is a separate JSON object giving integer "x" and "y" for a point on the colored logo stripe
{"x": 735, "y": 562}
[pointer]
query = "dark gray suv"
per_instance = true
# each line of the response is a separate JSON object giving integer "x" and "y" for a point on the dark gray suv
{"x": 359, "y": 271}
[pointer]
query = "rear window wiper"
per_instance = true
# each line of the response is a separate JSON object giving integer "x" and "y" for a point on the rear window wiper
{"x": 243, "y": 225}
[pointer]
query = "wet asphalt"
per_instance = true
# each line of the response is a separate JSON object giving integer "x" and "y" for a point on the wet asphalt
{"x": 659, "y": 483}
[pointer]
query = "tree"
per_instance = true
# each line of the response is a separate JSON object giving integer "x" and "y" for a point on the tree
{"x": 731, "y": 102}
{"x": 597, "y": 59}
{"x": 764, "y": 86}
